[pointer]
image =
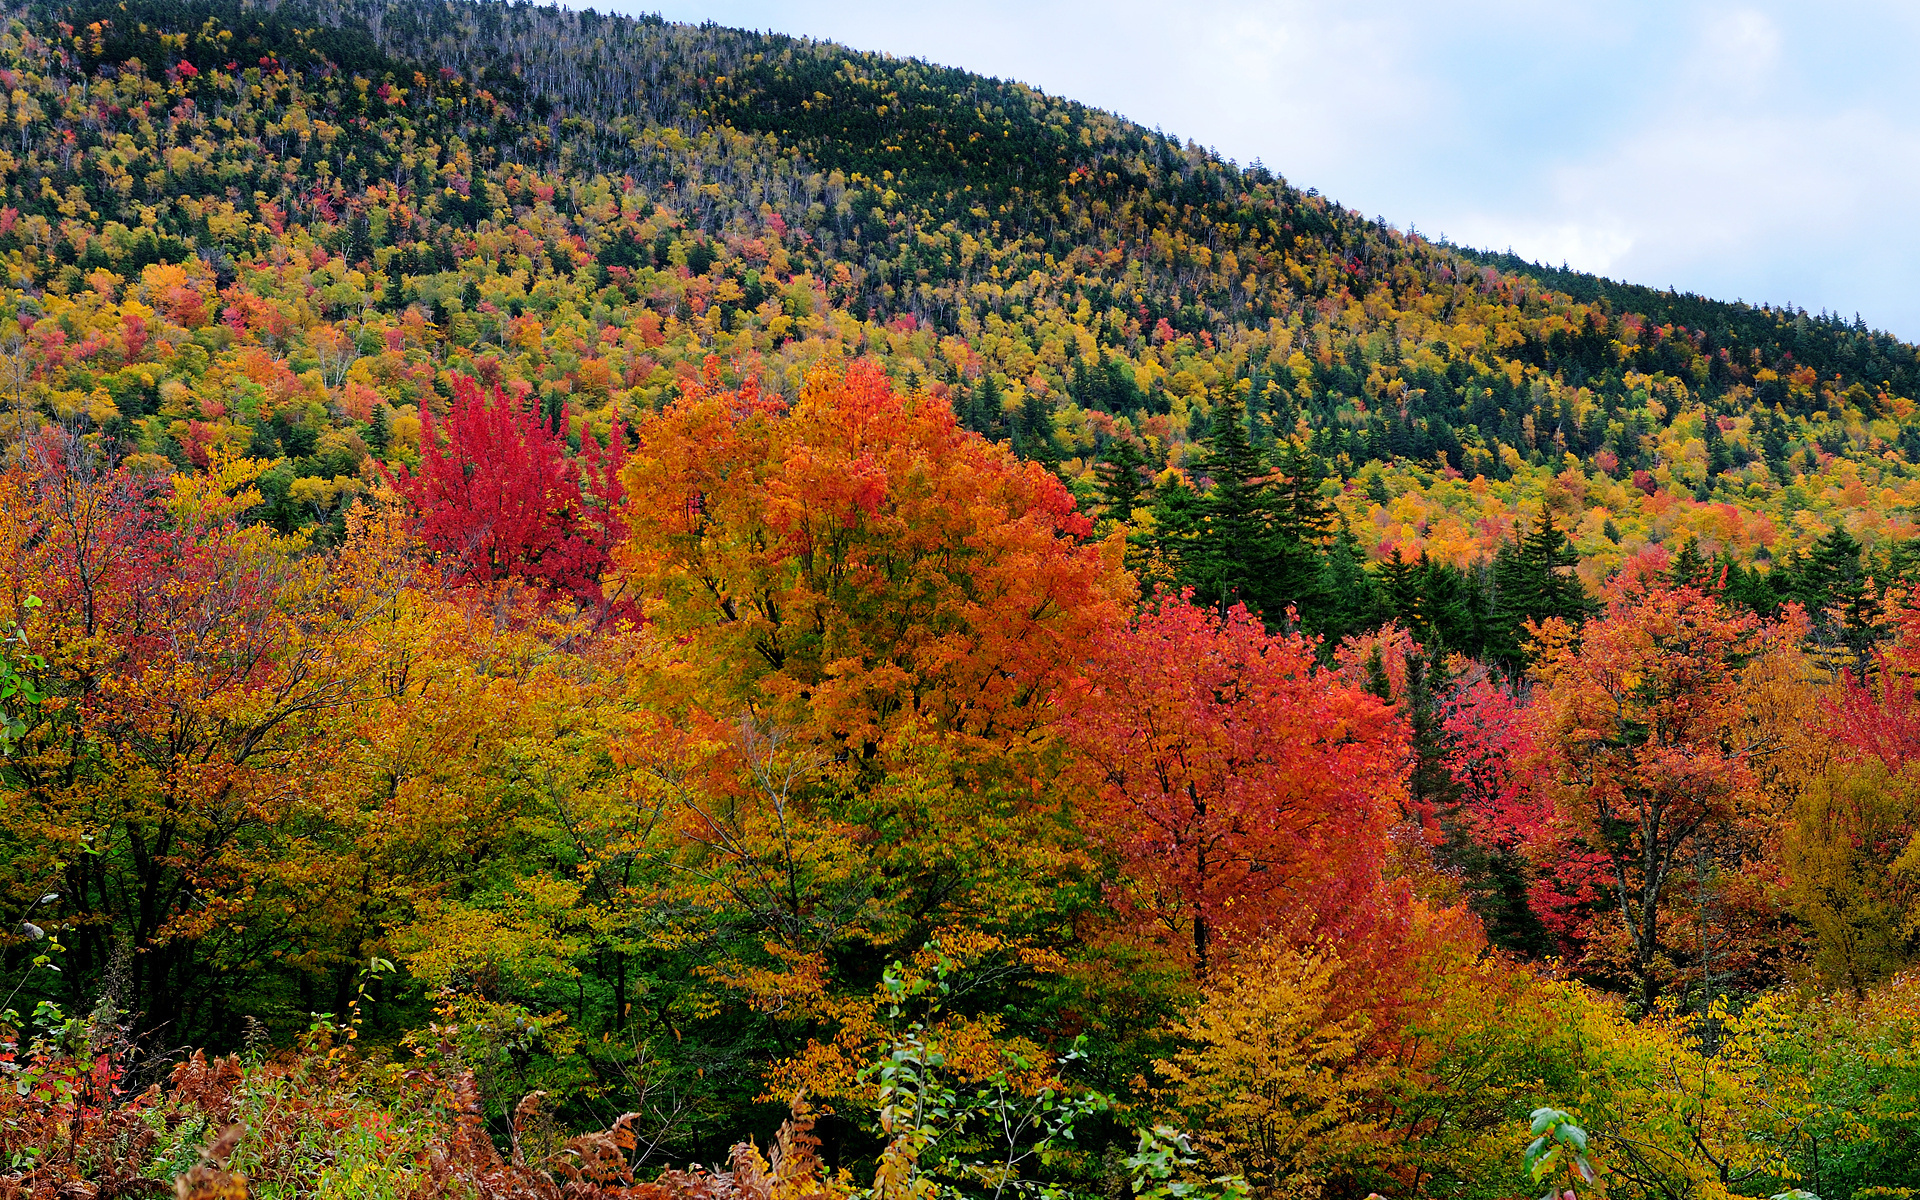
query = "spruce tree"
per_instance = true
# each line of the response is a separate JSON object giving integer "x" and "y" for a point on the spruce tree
{"x": 380, "y": 430}
{"x": 1689, "y": 568}
{"x": 1348, "y": 599}
{"x": 1118, "y": 477}
{"x": 1838, "y": 594}
{"x": 1533, "y": 580}
{"x": 1243, "y": 556}
{"x": 1445, "y": 606}
{"x": 1172, "y": 552}
{"x": 1304, "y": 513}
{"x": 1719, "y": 458}
{"x": 984, "y": 415}
{"x": 1400, "y": 582}
{"x": 1034, "y": 437}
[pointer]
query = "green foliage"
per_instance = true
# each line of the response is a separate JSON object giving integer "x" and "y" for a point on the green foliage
{"x": 19, "y": 692}
{"x": 1558, "y": 1150}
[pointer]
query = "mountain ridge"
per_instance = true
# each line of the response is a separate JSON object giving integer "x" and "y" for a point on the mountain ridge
{"x": 1064, "y": 277}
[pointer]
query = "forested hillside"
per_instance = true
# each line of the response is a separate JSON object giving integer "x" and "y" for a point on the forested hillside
{"x": 566, "y": 573}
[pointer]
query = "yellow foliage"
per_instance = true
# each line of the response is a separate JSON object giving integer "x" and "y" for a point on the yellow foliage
{"x": 1271, "y": 1081}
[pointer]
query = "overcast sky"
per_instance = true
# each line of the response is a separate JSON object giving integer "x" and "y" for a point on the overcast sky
{"x": 1757, "y": 151}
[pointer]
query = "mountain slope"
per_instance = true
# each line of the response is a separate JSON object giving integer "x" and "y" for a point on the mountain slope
{"x": 588, "y": 207}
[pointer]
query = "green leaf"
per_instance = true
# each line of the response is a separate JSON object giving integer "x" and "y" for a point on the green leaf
{"x": 1535, "y": 1150}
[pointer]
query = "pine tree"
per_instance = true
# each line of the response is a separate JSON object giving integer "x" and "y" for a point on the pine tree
{"x": 1551, "y": 558}
{"x": 1034, "y": 437}
{"x": 1173, "y": 551}
{"x": 1689, "y": 568}
{"x": 380, "y": 429}
{"x": 984, "y": 408}
{"x": 1242, "y": 547}
{"x": 1400, "y": 581}
{"x": 1348, "y": 599}
{"x": 1304, "y": 513}
{"x": 359, "y": 239}
{"x": 1118, "y": 477}
{"x": 1446, "y": 605}
{"x": 1533, "y": 580}
{"x": 1430, "y": 783}
{"x": 1838, "y": 594}
{"x": 1750, "y": 588}
{"x": 1719, "y": 458}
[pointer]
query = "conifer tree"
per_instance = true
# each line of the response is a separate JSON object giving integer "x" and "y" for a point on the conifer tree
{"x": 1034, "y": 435}
{"x": 1690, "y": 568}
{"x": 1119, "y": 479}
{"x": 1533, "y": 580}
{"x": 1719, "y": 458}
{"x": 1242, "y": 558}
{"x": 1172, "y": 551}
{"x": 1304, "y": 513}
{"x": 1836, "y": 590}
{"x": 1349, "y": 600}
{"x": 984, "y": 414}
{"x": 1399, "y": 580}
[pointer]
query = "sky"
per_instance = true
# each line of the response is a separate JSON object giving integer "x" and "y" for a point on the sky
{"x": 1760, "y": 151}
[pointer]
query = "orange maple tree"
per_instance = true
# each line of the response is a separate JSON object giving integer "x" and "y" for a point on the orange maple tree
{"x": 860, "y": 560}
{"x": 1642, "y": 722}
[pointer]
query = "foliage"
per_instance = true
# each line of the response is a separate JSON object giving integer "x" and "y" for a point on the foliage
{"x": 1642, "y": 724}
{"x": 1274, "y": 1078}
{"x": 550, "y": 581}
{"x": 504, "y": 499}
{"x": 1246, "y": 791}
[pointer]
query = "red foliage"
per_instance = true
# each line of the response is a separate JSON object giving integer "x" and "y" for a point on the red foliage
{"x": 1496, "y": 763}
{"x": 501, "y": 498}
{"x": 1247, "y": 793}
{"x": 1881, "y": 718}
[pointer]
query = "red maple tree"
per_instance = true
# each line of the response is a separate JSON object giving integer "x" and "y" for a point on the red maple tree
{"x": 498, "y": 495}
{"x": 1247, "y": 792}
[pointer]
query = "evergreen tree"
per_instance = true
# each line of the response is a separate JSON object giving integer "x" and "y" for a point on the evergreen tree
{"x": 1719, "y": 458}
{"x": 1243, "y": 553}
{"x": 1838, "y": 594}
{"x": 1348, "y": 600}
{"x": 1400, "y": 582}
{"x": 1533, "y": 580}
{"x": 1088, "y": 387}
{"x": 1118, "y": 476}
{"x": 1034, "y": 437}
{"x": 1690, "y": 568}
{"x": 1172, "y": 553}
{"x": 380, "y": 430}
{"x": 1773, "y": 445}
{"x": 985, "y": 408}
{"x": 1430, "y": 783}
{"x": 359, "y": 239}
{"x": 1446, "y": 604}
{"x": 1304, "y": 513}
{"x": 1747, "y": 587}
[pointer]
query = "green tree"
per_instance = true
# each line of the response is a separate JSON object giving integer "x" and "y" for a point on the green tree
{"x": 1119, "y": 477}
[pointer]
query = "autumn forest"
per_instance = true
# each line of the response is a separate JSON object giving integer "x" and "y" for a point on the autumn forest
{"x": 593, "y": 608}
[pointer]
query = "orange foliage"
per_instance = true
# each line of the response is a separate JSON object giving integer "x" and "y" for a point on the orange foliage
{"x": 860, "y": 556}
